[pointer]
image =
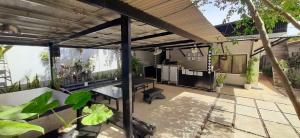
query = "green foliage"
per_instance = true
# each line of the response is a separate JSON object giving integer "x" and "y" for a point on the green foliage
{"x": 268, "y": 15}
{"x": 284, "y": 65}
{"x": 220, "y": 78}
{"x": 41, "y": 104}
{"x": 12, "y": 120}
{"x": 294, "y": 77}
{"x": 96, "y": 114}
{"x": 250, "y": 71}
{"x": 44, "y": 55}
{"x": 4, "y": 49}
{"x": 136, "y": 65}
{"x": 14, "y": 112}
{"x": 78, "y": 99}
{"x": 34, "y": 83}
{"x": 14, "y": 128}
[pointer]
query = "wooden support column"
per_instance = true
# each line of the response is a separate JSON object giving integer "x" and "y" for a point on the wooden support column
{"x": 126, "y": 75}
{"x": 50, "y": 45}
{"x": 209, "y": 69}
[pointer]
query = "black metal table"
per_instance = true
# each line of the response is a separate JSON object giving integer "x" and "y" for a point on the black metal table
{"x": 111, "y": 92}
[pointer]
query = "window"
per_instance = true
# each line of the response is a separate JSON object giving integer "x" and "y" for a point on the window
{"x": 235, "y": 64}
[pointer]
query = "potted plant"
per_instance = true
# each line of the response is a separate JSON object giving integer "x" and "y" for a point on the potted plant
{"x": 220, "y": 79}
{"x": 250, "y": 73}
{"x": 93, "y": 115}
{"x": 137, "y": 66}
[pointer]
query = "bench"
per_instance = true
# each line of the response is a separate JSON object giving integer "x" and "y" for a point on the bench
{"x": 153, "y": 93}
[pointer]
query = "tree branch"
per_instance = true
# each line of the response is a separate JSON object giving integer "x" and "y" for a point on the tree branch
{"x": 286, "y": 15}
{"x": 267, "y": 46}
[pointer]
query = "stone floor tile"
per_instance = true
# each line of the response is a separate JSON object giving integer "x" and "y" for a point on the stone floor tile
{"x": 220, "y": 105}
{"x": 222, "y": 117}
{"x": 245, "y": 101}
{"x": 277, "y": 130}
{"x": 267, "y": 105}
{"x": 246, "y": 110}
{"x": 249, "y": 124}
{"x": 286, "y": 108}
{"x": 273, "y": 116}
{"x": 226, "y": 98}
{"x": 293, "y": 119}
{"x": 213, "y": 130}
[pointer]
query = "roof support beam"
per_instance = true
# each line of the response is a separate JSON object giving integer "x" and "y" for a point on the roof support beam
{"x": 126, "y": 9}
{"x": 135, "y": 39}
{"x": 182, "y": 52}
{"x": 259, "y": 50}
{"x": 163, "y": 44}
{"x": 99, "y": 27}
{"x": 126, "y": 75}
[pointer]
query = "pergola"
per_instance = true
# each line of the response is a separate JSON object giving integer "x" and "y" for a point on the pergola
{"x": 108, "y": 24}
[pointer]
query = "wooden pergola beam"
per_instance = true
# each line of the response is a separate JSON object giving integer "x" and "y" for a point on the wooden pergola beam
{"x": 126, "y": 9}
{"x": 135, "y": 39}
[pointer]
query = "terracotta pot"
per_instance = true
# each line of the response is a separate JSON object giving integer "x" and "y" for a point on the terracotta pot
{"x": 247, "y": 86}
{"x": 69, "y": 132}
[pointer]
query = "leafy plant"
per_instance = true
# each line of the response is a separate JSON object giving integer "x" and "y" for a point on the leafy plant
{"x": 221, "y": 77}
{"x": 93, "y": 115}
{"x": 12, "y": 121}
{"x": 250, "y": 71}
{"x": 34, "y": 83}
{"x": 14, "y": 128}
{"x": 283, "y": 64}
{"x": 4, "y": 49}
{"x": 44, "y": 55}
{"x": 136, "y": 65}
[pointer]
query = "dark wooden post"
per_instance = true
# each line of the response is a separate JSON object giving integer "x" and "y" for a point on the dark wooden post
{"x": 51, "y": 64}
{"x": 126, "y": 74}
{"x": 209, "y": 69}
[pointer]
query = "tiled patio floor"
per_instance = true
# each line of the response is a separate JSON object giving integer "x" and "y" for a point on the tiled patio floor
{"x": 233, "y": 113}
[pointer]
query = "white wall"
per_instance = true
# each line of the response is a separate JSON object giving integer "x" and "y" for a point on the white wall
{"x": 242, "y": 47}
{"x": 199, "y": 64}
{"x": 25, "y": 60}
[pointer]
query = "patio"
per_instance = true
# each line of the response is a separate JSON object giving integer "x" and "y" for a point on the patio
{"x": 183, "y": 57}
{"x": 233, "y": 113}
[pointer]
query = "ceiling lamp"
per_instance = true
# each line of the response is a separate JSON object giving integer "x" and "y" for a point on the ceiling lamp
{"x": 157, "y": 51}
{"x": 195, "y": 49}
{"x": 9, "y": 29}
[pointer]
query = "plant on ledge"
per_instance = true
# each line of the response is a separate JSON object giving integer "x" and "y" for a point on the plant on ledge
{"x": 93, "y": 115}
{"x": 250, "y": 73}
{"x": 220, "y": 79}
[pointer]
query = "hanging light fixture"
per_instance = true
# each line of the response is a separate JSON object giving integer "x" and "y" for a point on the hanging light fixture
{"x": 9, "y": 29}
{"x": 157, "y": 51}
{"x": 195, "y": 49}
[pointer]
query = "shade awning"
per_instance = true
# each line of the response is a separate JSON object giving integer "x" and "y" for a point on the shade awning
{"x": 42, "y": 21}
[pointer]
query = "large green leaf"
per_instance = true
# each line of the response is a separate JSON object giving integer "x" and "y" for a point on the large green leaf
{"x": 13, "y": 128}
{"x": 14, "y": 112}
{"x": 41, "y": 104}
{"x": 78, "y": 99}
{"x": 96, "y": 114}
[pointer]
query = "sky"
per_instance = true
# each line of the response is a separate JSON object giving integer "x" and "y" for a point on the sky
{"x": 215, "y": 16}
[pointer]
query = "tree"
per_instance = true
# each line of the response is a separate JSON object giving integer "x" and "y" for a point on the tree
{"x": 264, "y": 20}
{"x": 286, "y": 15}
{"x": 267, "y": 46}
